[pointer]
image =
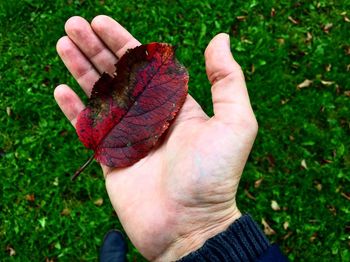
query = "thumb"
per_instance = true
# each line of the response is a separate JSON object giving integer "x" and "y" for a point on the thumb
{"x": 229, "y": 91}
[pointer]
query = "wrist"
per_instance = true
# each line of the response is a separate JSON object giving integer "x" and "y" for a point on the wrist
{"x": 243, "y": 240}
{"x": 191, "y": 242}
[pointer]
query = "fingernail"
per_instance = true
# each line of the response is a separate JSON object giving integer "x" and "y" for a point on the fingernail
{"x": 227, "y": 40}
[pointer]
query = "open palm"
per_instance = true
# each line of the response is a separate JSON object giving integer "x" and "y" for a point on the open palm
{"x": 183, "y": 191}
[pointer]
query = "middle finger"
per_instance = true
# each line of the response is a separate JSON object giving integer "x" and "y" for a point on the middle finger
{"x": 81, "y": 33}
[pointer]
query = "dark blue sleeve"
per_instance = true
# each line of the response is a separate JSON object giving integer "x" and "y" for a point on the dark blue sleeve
{"x": 242, "y": 241}
{"x": 274, "y": 254}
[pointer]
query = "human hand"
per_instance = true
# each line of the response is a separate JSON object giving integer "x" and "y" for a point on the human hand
{"x": 183, "y": 192}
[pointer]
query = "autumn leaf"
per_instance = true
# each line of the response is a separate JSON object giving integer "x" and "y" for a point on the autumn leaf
{"x": 267, "y": 229}
{"x": 327, "y": 83}
{"x": 273, "y": 12}
{"x": 241, "y": 18}
{"x": 65, "y": 212}
{"x": 313, "y": 237}
{"x": 257, "y": 183}
{"x": 127, "y": 113}
{"x": 275, "y": 206}
{"x": 308, "y": 37}
{"x": 249, "y": 195}
{"x": 303, "y": 164}
{"x": 346, "y": 195}
{"x": 287, "y": 235}
{"x": 327, "y": 27}
{"x": 30, "y": 197}
{"x": 8, "y": 110}
{"x": 294, "y": 21}
{"x": 98, "y": 202}
{"x": 318, "y": 186}
{"x": 281, "y": 41}
{"x": 305, "y": 83}
{"x": 11, "y": 251}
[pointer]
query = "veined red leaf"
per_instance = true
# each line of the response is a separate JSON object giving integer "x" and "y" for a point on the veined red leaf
{"x": 128, "y": 112}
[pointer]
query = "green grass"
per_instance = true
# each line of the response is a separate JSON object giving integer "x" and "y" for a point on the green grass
{"x": 39, "y": 149}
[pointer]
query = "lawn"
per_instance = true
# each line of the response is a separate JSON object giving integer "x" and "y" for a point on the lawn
{"x": 296, "y": 59}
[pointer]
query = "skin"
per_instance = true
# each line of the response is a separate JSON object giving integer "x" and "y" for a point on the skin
{"x": 183, "y": 192}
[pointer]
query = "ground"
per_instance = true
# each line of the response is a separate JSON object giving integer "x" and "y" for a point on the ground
{"x": 296, "y": 59}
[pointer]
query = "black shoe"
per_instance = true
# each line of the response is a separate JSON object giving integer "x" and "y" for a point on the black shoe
{"x": 114, "y": 248}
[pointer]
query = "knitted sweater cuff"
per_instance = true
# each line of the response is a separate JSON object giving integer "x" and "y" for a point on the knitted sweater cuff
{"x": 243, "y": 240}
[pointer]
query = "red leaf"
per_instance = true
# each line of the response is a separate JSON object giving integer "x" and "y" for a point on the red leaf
{"x": 127, "y": 113}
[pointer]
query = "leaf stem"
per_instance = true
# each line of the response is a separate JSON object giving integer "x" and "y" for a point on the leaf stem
{"x": 81, "y": 169}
